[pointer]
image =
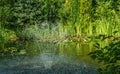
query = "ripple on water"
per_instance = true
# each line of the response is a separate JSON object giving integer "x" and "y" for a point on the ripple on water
{"x": 45, "y": 64}
{"x": 57, "y": 68}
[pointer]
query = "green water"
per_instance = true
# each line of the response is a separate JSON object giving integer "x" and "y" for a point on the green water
{"x": 74, "y": 51}
{"x": 65, "y": 58}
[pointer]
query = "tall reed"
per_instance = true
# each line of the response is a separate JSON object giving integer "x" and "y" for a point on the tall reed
{"x": 84, "y": 18}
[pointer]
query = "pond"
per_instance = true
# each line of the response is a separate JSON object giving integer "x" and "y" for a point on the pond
{"x": 50, "y": 58}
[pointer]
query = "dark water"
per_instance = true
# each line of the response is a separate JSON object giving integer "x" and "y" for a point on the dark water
{"x": 50, "y": 58}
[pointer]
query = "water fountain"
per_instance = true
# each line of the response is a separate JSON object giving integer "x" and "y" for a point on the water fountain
{"x": 45, "y": 58}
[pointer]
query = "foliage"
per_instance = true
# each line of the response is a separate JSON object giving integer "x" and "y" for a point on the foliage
{"x": 24, "y": 13}
{"x": 75, "y": 16}
{"x": 8, "y": 40}
{"x": 58, "y": 18}
{"x": 18, "y": 15}
{"x": 109, "y": 54}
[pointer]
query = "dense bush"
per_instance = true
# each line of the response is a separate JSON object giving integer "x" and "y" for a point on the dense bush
{"x": 109, "y": 55}
{"x": 8, "y": 40}
{"x": 24, "y": 13}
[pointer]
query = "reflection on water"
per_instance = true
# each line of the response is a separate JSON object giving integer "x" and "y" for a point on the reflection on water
{"x": 50, "y": 58}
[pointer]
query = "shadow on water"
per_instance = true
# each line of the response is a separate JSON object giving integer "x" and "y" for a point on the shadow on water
{"x": 50, "y": 58}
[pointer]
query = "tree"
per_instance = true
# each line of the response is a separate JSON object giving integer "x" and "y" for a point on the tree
{"x": 30, "y": 12}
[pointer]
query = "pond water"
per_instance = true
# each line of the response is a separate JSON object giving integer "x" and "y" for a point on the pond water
{"x": 50, "y": 58}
